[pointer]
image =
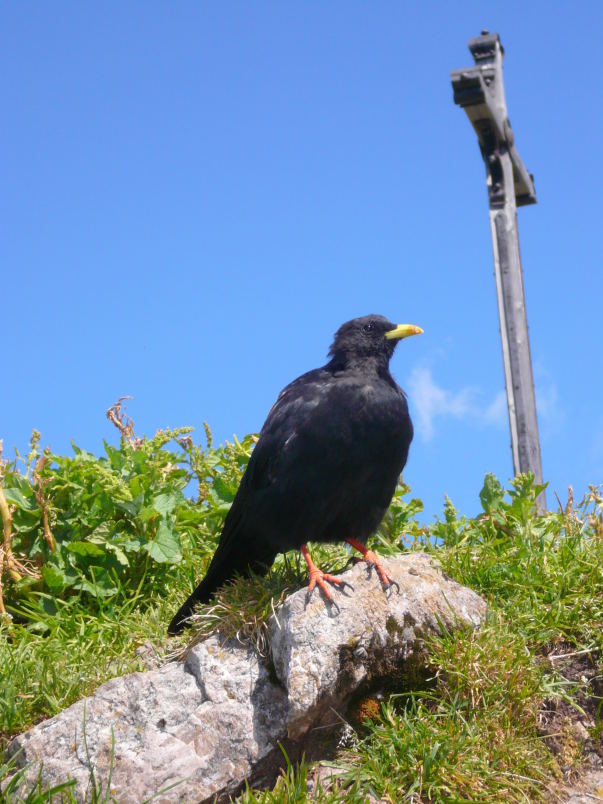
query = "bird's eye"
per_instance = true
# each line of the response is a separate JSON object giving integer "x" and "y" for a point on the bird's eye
{"x": 368, "y": 327}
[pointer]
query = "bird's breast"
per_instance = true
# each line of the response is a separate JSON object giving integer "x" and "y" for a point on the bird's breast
{"x": 366, "y": 412}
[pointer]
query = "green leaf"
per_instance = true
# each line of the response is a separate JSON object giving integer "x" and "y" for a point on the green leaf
{"x": 118, "y": 553}
{"x": 223, "y": 491}
{"x": 16, "y": 497}
{"x": 132, "y": 508}
{"x": 164, "y": 503}
{"x": 191, "y": 515}
{"x": 102, "y": 533}
{"x": 492, "y": 494}
{"x": 165, "y": 547}
{"x": 115, "y": 456}
{"x": 84, "y": 455}
{"x": 55, "y": 578}
{"x": 130, "y": 544}
{"x": 85, "y": 549}
{"x": 136, "y": 486}
{"x": 100, "y": 586}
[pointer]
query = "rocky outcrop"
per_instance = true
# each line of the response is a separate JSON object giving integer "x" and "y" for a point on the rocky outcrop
{"x": 192, "y": 730}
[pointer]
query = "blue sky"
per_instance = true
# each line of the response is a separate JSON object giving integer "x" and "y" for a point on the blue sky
{"x": 194, "y": 196}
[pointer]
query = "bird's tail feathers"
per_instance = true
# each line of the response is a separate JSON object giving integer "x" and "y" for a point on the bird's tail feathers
{"x": 232, "y": 557}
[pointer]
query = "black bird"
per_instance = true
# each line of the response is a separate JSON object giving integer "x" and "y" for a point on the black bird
{"x": 325, "y": 466}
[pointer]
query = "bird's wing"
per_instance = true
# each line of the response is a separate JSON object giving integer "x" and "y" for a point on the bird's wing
{"x": 270, "y": 455}
{"x": 289, "y": 417}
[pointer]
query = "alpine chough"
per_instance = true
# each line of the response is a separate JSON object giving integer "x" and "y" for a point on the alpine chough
{"x": 325, "y": 466}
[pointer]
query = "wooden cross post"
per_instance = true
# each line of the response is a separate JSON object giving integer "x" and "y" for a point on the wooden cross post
{"x": 480, "y": 91}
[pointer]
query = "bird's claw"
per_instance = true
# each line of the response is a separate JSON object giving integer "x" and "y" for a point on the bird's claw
{"x": 320, "y": 579}
{"x": 328, "y": 599}
{"x": 390, "y": 585}
{"x": 335, "y": 606}
{"x": 387, "y": 583}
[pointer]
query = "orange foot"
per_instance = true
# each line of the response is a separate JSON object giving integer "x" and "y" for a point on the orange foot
{"x": 319, "y": 578}
{"x": 373, "y": 559}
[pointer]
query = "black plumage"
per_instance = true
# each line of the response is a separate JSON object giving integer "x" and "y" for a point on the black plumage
{"x": 326, "y": 463}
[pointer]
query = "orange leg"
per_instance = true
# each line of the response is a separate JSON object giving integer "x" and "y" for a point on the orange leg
{"x": 318, "y": 578}
{"x": 373, "y": 559}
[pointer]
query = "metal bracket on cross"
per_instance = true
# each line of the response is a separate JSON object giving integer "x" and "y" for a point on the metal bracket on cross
{"x": 480, "y": 91}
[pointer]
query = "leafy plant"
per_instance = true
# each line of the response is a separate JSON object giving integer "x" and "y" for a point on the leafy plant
{"x": 102, "y": 528}
{"x": 545, "y": 572}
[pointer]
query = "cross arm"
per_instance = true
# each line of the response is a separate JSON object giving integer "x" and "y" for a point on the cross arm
{"x": 479, "y": 91}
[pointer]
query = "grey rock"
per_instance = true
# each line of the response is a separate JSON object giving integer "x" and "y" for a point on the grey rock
{"x": 588, "y": 790}
{"x": 321, "y": 657}
{"x": 580, "y": 732}
{"x": 198, "y": 728}
{"x": 195, "y": 730}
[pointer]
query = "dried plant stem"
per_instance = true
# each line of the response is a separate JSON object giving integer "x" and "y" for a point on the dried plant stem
{"x": 8, "y": 559}
{"x": 8, "y": 562}
{"x": 5, "y": 551}
{"x": 124, "y": 424}
{"x": 41, "y": 500}
{"x": 3, "y": 613}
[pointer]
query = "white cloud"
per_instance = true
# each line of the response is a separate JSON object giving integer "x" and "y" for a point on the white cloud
{"x": 496, "y": 413}
{"x": 430, "y": 401}
{"x": 551, "y": 415}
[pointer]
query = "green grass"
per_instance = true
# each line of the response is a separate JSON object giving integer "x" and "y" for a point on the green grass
{"x": 471, "y": 732}
{"x": 473, "y": 737}
{"x": 77, "y": 651}
{"x": 544, "y": 573}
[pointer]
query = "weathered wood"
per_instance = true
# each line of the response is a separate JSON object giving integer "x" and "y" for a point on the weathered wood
{"x": 479, "y": 90}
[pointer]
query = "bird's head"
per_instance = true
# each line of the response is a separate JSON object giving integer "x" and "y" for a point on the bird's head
{"x": 370, "y": 336}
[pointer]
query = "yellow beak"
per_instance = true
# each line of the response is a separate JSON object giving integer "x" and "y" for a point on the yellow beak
{"x": 403, "y": 331}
